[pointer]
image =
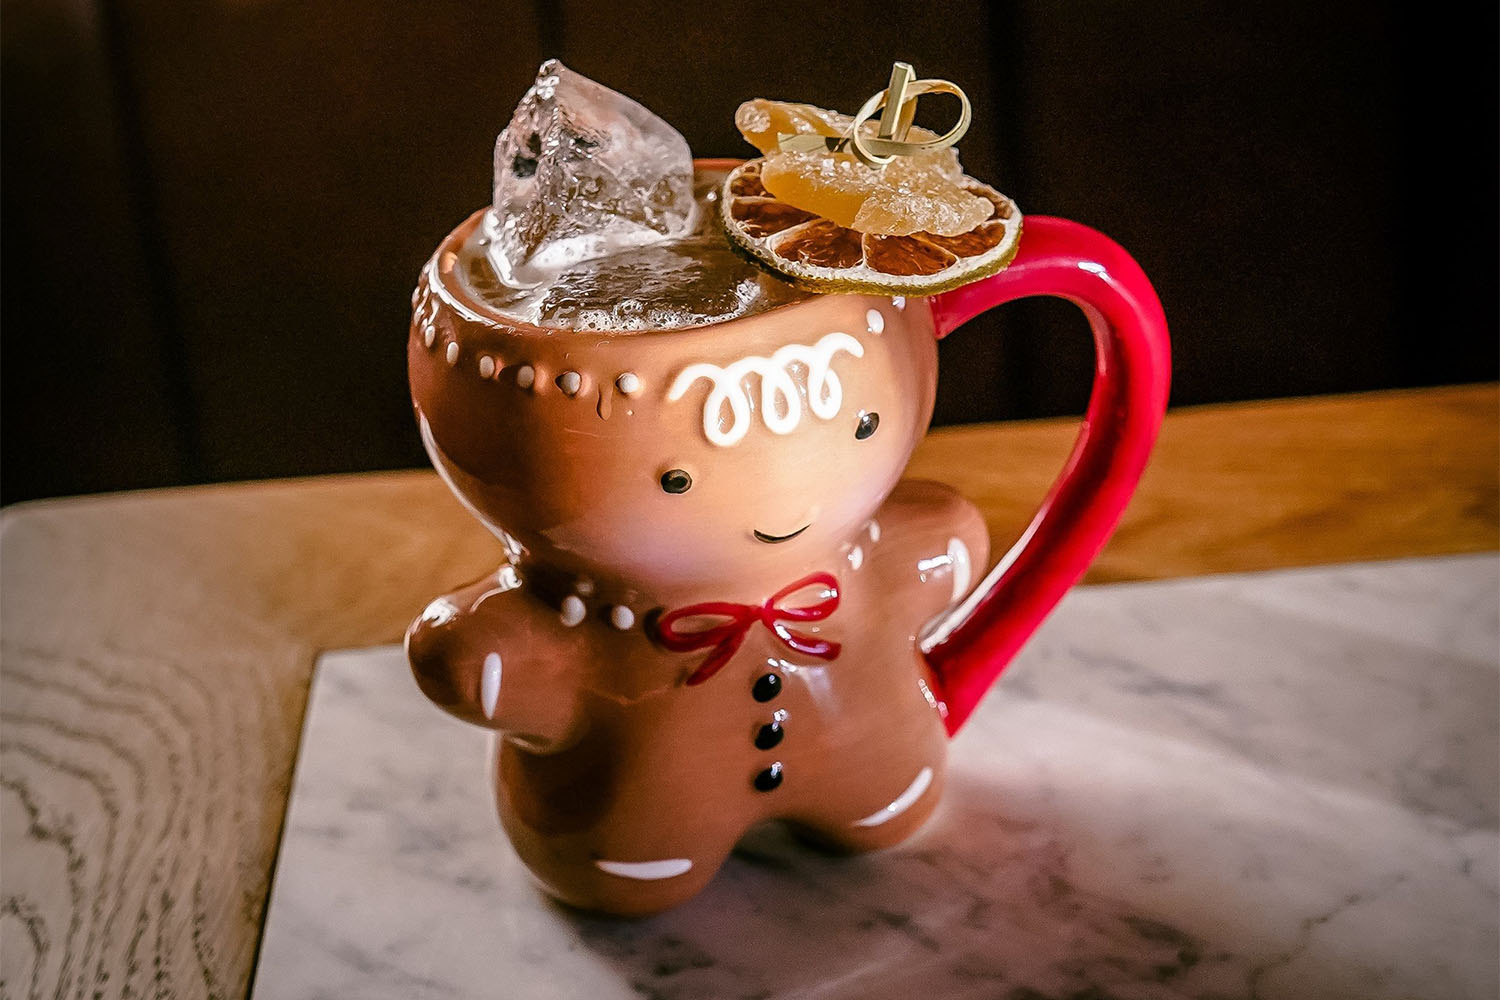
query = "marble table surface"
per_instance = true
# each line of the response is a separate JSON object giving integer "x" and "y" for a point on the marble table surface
{"x": 1270, "y": 785}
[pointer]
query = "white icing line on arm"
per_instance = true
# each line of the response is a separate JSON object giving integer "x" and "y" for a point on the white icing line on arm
{"x": 902, "y": 802}
{"x": 963, "y": 570}
{"x": 489, "y": 685}
{"x": 645, "y": 871}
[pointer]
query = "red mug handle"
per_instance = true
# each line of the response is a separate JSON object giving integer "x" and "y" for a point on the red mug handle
{"x": 969, "y": 647}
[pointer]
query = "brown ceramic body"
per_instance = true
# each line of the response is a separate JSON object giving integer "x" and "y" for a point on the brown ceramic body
{"x": 622, "y": 786}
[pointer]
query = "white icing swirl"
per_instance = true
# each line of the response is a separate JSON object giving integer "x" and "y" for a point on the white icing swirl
{"x": 780, "y": 403}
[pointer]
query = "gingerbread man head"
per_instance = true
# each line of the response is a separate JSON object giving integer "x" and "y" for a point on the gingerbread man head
{"x": 669, "y": 461}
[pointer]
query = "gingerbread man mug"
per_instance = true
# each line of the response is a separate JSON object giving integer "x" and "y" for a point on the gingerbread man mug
{"x": 720, "y": 603}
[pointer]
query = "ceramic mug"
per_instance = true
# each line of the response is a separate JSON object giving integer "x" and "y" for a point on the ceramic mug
{"x": 720, "y": 603}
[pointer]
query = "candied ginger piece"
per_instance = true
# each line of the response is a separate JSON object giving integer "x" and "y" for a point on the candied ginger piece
{"x": 916, "y": 198}
{"x": 833, "y": 185}
{"x": 762, "y": 122}
{"x": 920, "y": 193}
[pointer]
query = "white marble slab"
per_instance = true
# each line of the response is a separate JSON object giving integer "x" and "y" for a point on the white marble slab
{"x": 1273, "y": 785}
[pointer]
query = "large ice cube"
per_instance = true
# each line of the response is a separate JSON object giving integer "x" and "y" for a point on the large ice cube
{"x": 582, "y": 171}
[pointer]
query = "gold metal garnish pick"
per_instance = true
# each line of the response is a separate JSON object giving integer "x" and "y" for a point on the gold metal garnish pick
{"x": 899, "y": 103}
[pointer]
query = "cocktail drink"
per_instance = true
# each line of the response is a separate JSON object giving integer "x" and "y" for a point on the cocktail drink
{"x": 682, "y": 396}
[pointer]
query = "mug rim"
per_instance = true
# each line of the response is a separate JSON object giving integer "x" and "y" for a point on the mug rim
{"x": 442, "y": 264}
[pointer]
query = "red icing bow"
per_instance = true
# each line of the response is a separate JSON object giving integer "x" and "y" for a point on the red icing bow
{"x": 726, "y": 638}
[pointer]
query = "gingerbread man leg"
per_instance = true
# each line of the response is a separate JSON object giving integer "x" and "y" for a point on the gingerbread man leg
{"x": 932, "y": 547}
{"x": 597, "y": 850}
{"x": 900, "y": 812}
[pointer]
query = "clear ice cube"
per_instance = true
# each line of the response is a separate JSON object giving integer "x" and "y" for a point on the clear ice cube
{"x": 580, "y": 172}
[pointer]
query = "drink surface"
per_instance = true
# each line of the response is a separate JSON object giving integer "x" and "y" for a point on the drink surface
{"x": 690, "y": 281}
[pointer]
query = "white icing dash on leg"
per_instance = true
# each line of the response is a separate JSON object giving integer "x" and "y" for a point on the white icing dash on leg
{"x": 489, "y": 685}
{"x": 874, "y": 531}
{"x": 856, "y": 557}
{"x": 875, "y": 321}
{"x": 899, "y": 301}
{"x": 963, "y": 570}
{"x": 902, "y": 802}
{"x": 645, "y": 870}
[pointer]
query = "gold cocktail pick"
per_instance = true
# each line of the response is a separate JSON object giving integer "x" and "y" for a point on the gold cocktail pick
{"x": 898, "y": 105}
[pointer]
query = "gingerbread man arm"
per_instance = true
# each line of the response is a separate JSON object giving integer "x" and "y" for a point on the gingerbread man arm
{"x": 935, "y": 546}
{"x": 474, "y": 653}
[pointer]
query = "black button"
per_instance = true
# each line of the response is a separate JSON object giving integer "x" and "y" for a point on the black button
{"x": 768, "y": 687}
{"x": 770, "y": 734}
{"x": 768, "y": 779}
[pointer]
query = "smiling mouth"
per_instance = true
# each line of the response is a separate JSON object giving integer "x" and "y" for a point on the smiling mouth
{"x": 773, "y": 539}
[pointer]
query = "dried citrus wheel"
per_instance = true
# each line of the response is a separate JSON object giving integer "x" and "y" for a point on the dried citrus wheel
{"x": 821, "y": 254}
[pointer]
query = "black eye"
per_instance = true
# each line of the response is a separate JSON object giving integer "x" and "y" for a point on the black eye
{"x": 867, "y": 423}
{"x": 676, "y": 481}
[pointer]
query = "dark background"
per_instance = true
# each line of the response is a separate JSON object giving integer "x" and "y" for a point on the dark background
{"x": 214, "y": 212}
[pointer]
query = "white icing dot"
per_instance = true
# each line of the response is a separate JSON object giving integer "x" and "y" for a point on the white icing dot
{"x": 899, "y": 301}
{"x": 874, "y": 531}
{"x": 856, "y": 557}
{"x": 572, "y": 610}
{"x": 525, "y": 375}
{"x": 570, "y": 383}
{"x": 486, "y": 366}
{"x": 621, "y": 617}
{"x": 875, "y": 321}
{"x": 440, "y": 612}
{"x": 584, "y": 586}
{"x": 628, "y": 382}
{"x": 429, "y": 334}
{"x": 489, "y": 685}
{"x": 453, "y": 352}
